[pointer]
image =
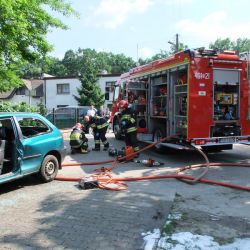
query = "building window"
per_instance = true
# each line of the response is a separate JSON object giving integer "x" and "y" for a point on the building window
{"x": 109, "y": 87}
{"x": 63, "y": 88}
{"x": 21, "y": 91}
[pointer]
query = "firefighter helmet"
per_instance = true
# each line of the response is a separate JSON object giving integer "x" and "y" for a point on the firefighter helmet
{"x": 78, "y": 126}
{"x": 123, "y": 104}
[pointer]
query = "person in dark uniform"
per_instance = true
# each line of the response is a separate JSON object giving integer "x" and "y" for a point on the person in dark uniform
{"x": 78, "y": 141}
{"x": 99, "y": 126}
{"x": 128, "y": 125}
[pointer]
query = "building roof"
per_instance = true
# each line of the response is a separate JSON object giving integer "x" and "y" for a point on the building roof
{"x": 7, "y": 94}
{"x": 35, "y": 83}
{"x": 29, "y": 84}
{"x": 74, "y": 77}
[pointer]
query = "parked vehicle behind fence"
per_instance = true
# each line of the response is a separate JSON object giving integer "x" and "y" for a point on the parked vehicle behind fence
{"x": 67, "y": 117}
{"x": 29, "y": 144}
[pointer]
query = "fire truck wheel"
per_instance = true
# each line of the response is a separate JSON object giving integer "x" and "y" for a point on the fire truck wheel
{"x": 157, "y": 135}
{"x": 117, "y": 130}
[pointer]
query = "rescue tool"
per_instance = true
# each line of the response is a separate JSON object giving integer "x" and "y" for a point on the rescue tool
{"x": 124, "y": 152}
{"x": 149, "y": 162}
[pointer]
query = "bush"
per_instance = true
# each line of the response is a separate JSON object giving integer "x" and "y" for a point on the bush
{"x": 17, "y": 107}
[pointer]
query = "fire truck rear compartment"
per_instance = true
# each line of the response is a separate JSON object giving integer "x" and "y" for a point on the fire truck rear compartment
{"x": 225, "y": 130}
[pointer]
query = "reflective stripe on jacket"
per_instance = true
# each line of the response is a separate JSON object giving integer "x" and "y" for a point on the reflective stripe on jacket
{"x": 98, "y": 123}
{"x": 128, "y": 116}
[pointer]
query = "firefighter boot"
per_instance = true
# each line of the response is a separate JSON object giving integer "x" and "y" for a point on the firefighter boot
{"x": 84, "y": 151}
{"x": 106, "y": 147}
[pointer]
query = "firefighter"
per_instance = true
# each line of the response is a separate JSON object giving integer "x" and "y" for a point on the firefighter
{"x": 99, "y": 126}
{"x": 128, "y": 125}
{"x": 78, "y": 141}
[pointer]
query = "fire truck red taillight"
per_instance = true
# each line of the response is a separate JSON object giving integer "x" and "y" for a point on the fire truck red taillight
{"x": 200, "y": 142}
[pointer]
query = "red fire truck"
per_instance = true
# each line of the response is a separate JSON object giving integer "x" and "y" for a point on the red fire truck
{"x": 198, "y": 97}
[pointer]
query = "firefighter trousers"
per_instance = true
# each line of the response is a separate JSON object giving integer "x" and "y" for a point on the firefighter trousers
{"x": 131, "y": 140}
{"x": 100, "y": 135}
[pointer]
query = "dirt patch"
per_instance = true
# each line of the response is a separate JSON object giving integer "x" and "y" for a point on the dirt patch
{"x": 224, "y": 229}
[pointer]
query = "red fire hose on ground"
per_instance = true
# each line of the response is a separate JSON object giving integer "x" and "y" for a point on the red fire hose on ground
{"x": 102, "y": 177}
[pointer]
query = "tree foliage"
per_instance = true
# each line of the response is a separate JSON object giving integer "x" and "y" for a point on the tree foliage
{"x": 23, "y": 28}
{"x": 89, "y": 92}
{"x": 22, "y": 107}
{"x": 17, "y": 107}
{"x": 103, "y": 61}
{"x": 240, "y": 45}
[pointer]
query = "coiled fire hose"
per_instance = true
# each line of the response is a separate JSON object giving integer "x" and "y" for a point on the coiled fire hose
{"x": 105, "y": 180}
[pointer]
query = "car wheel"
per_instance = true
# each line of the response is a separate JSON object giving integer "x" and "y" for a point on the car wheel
{"x": 49, "y": 168}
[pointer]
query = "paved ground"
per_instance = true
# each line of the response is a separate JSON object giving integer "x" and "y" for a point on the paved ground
{"x": 59, "y": 215}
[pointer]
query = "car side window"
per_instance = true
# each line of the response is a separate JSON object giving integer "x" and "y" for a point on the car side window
{"x": 32, "y": 126}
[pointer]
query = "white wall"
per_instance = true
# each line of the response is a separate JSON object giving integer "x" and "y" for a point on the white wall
{"x": 23, "y": 98}
{"x": 102, "y": 82}
{"x": 53, "y": 99}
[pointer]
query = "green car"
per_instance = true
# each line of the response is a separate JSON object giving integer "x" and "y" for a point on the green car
{"x": 29, "y": 144}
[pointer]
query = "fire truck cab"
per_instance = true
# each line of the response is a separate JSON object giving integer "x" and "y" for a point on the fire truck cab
{"x": 196, "y": 97}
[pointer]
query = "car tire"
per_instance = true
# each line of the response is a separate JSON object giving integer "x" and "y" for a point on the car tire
{"x": 49, "y": 168}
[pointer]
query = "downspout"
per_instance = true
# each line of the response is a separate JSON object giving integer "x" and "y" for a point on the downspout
{"x": 45, "y": 100}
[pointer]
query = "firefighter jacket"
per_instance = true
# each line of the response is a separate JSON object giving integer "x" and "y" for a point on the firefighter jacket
{"x": 77, "y": 138}
{"x": 128, "y": 120}
{"x": 98, "y": 123}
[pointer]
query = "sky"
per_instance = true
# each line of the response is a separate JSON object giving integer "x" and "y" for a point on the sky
{"x": 142, "y": 28}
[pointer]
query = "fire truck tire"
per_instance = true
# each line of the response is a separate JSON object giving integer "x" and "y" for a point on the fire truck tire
{"x": 117, "y": 130}
{"x": 158, "y": 134}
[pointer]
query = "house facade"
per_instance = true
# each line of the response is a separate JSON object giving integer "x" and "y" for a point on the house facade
{"x": 31, "y": 93}
{"x": 60, "y": 91}
{"x": 55, "y": 92}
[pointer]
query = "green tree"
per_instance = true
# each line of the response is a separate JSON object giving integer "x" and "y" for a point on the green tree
{"x": 160, "y": 55}
{"x": 240, "y": 45}
{"x": 73, "y": 62}
{"x": 23, "y": 28}
{"x": 55, "y": 67}
{"x": 119, "y": 63}
{"x": 42, "y": 109}
{"x": 221, "y": 44}
{"x": 89, "y": 92}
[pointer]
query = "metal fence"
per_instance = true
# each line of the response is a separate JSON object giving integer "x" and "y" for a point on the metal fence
{"x": 66, "y": 117}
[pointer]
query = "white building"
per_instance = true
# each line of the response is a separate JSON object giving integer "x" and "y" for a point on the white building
{"x": 60, "y": 91}
{"x": 31, "y": 93}
{"x": 56, "y": 92}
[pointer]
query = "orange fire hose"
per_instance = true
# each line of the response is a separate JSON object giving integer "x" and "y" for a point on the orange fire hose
{"x": 106, "y": 181}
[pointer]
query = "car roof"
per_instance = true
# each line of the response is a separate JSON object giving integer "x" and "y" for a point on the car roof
{"x": 3, "y": 114}
{"x": 73, "y": 107}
